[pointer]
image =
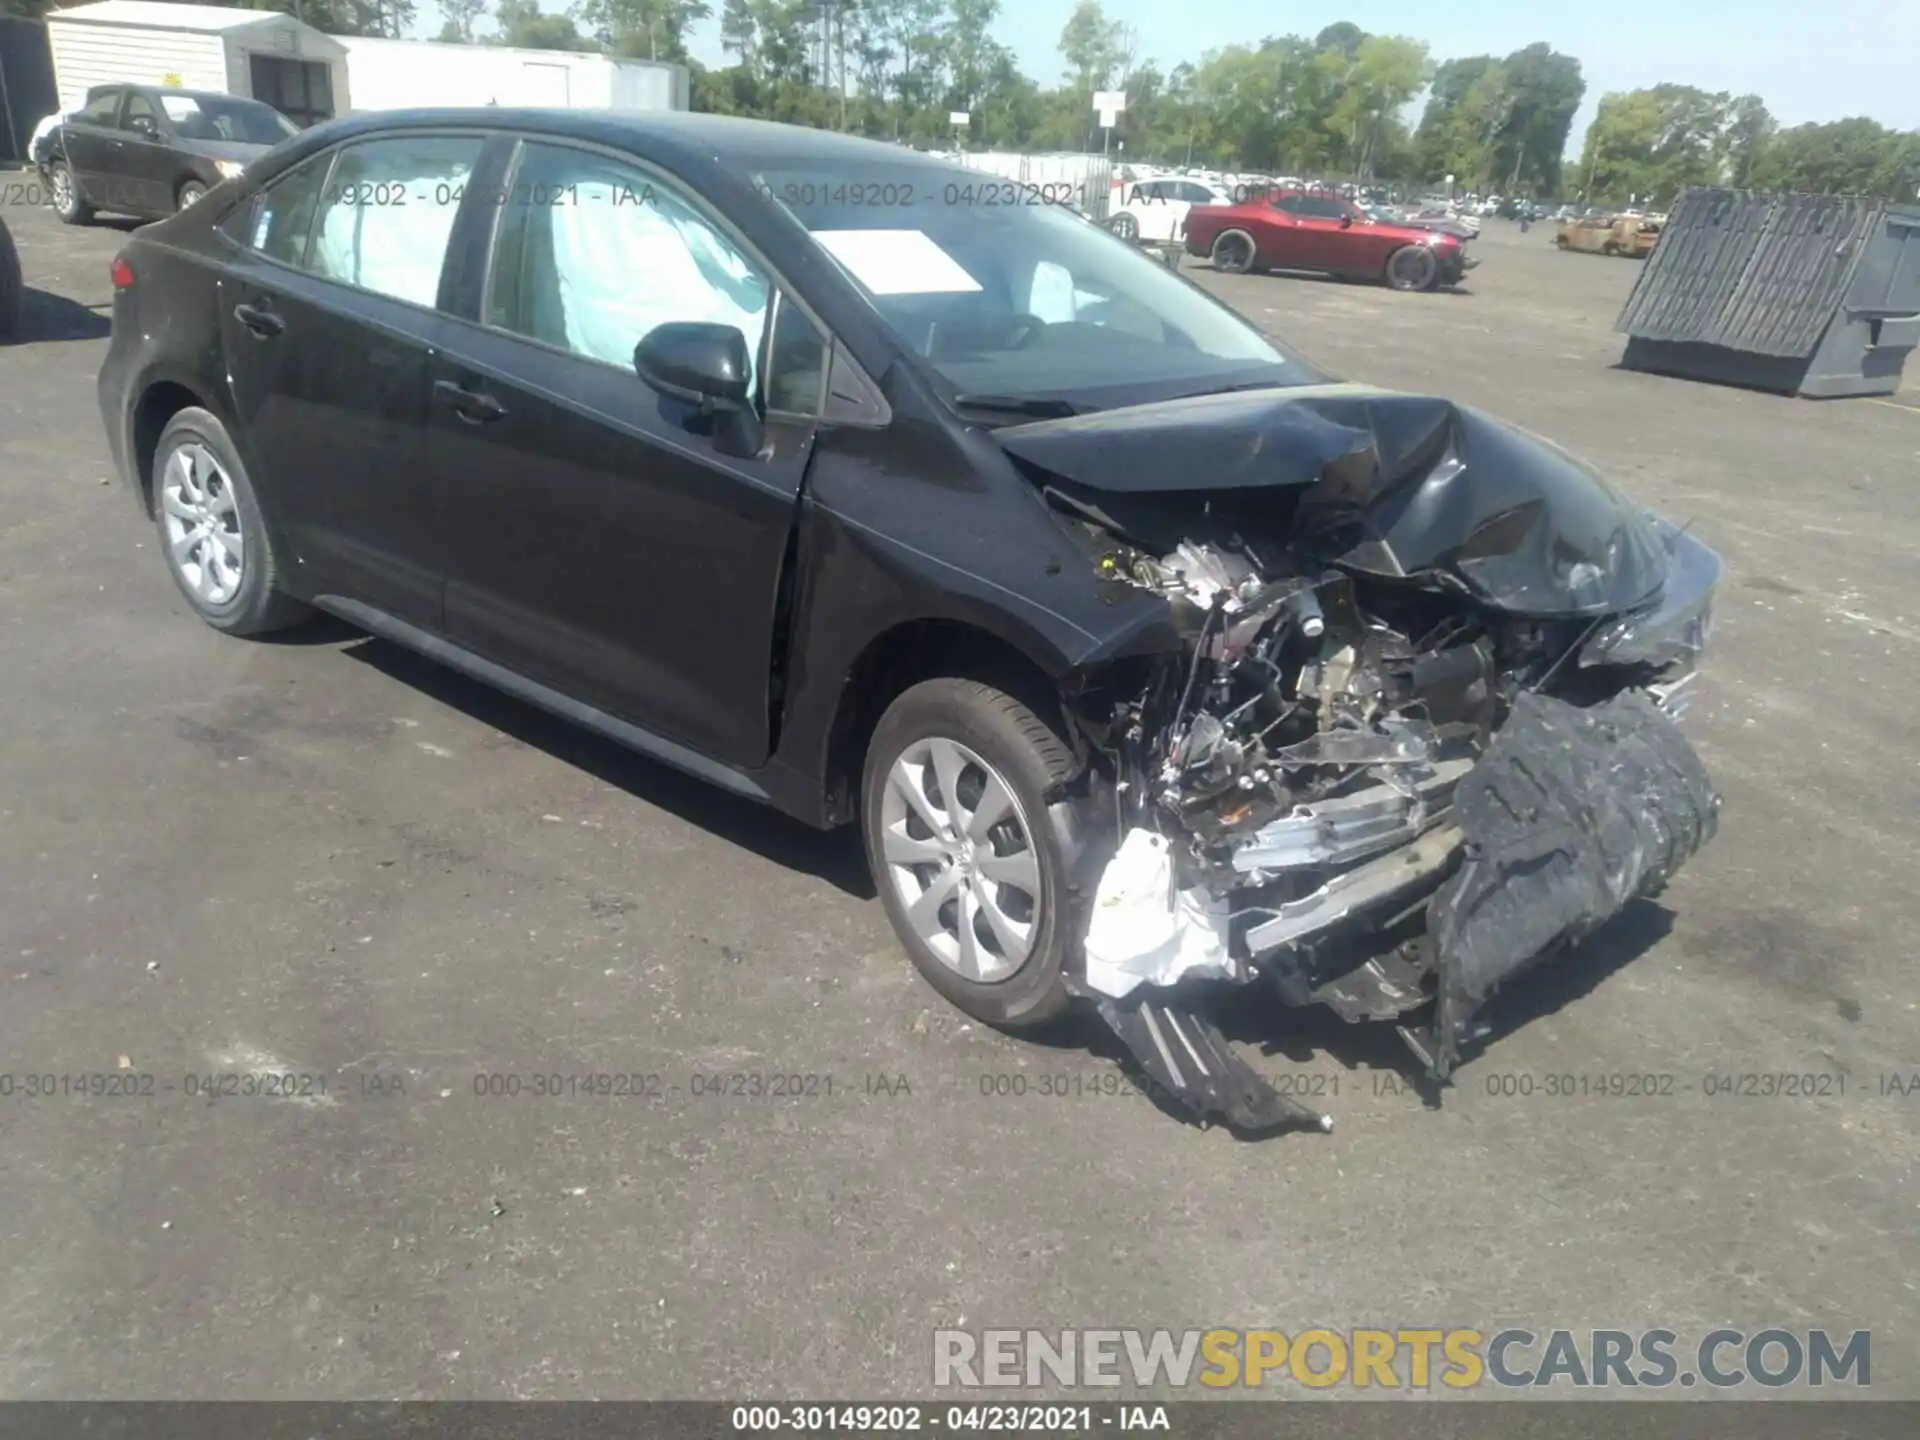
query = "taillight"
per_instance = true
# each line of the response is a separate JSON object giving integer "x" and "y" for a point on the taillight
{"x": 122, "y": 273}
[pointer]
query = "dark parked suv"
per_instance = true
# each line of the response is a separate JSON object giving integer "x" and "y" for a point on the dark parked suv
{"x": 148, "y": 151}
{"x": 879, "y": 491}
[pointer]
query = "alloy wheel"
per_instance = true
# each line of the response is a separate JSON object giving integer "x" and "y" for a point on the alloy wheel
{"x": 959, "y": 852}
{"x": 1413, "y": 268}
{"x": 204, "y": 541}
{"x": 1233, "y": 254}
{"x": 62, "y": 190}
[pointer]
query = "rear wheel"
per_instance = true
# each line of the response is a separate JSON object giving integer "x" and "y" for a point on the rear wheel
{"x": 1412, "y": 267}
{"x": 1233, "y": 252}
{"x": 964, "y": 854}
{"x": 212, "y": 532}
{"x": 67, "y": 203}
{"x": 1609, "y": 248}
{"x": 191, "y": 191}
{"x": 1125, "y": 226}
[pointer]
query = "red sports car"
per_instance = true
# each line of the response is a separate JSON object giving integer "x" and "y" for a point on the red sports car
{"x": 1299, "y": 230}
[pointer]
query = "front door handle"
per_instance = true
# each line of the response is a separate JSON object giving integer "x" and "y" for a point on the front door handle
{"x": 476, "y": 407}
{"x": 260, "y": 321}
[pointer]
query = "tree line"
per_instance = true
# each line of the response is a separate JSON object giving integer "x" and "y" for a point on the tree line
{"x": 1327, "y": 106}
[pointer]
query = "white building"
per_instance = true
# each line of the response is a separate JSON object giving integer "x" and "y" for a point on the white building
{"x": 395, "y": 74}
{"x": 258, "y": 53}
{"x": 310, "y": 76}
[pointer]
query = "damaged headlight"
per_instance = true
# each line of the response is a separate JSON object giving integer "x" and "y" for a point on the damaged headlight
{"x": 1673, "y": 631}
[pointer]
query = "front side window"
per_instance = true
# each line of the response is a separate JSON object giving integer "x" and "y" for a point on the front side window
{"x": 140, "y": 115}
{"x": 592, "y": 254}
{"x": 386, "y": 212}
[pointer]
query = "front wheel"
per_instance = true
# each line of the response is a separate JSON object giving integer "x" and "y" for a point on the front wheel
{"x": 212, "y": 533}
{"x": 1412, "y": 267}
{"x": 954, "y": 808}
{"x": 191, "y": 191}
{"x": 1125, "y": 226}
{"x": 67, "y": 203}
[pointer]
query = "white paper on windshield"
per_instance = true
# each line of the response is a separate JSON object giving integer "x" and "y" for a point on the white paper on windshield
{"x": 897, "y": 262}
{"x": 179, "y": 107}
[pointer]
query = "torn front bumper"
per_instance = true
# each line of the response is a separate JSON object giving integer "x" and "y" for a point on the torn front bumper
{"x": 1569, "y": 816}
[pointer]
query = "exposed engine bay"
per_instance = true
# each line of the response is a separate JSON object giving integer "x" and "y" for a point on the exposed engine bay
{"x": 1382, "y": 793}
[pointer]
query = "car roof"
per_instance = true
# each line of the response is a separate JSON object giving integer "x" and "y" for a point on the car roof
{"x": 184, "y": 94}
{"x": 728, "y": 140}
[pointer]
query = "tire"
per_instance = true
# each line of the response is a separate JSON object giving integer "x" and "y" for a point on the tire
{"x": 210, "y": 491}
{"x": 190, "y": 191}
{"x": 10, "y": 285}
{"x": 67, "y": 203}
{"x": 1125, "y": 226}
{"x": 1233, "y": 252}
{"x": 1561, "y": 241}
{"x": 986, "y": 735}
{"x": 1412, "y": 267}
{"x": 1610, "y": 250}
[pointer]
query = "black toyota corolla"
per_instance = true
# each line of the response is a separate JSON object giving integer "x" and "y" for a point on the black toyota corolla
{"x": 1151, "y": 661}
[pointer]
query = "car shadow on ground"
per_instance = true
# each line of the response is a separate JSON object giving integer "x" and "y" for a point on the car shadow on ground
{"x": 834, "y": 856}
{"x": 45, "y": 317}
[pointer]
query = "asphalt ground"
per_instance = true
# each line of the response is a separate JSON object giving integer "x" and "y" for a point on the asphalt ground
{"x": 328, "y": 857}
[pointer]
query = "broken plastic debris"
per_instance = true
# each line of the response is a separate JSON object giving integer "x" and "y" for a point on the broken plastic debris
{"x": 1144, "y": 931}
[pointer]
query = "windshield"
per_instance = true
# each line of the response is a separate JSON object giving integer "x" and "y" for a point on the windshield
{"x": 1007, "y": 293}
{"x": 213, "y": 117}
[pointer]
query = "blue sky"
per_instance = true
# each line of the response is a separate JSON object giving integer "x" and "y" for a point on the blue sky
{"x": 1809, "y": 60}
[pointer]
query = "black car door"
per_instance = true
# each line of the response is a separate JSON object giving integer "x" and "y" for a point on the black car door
{"x": 601, "y": 545}
{"x": 145, "y": 156}
{"x": 90, "y": 144}
{"x": 328, "y": 318}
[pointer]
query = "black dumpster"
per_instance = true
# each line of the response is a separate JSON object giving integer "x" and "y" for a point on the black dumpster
{"x": 1803, "y": 294}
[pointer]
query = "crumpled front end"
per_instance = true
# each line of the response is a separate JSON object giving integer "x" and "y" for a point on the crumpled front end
{"x": 1406, "y": 750}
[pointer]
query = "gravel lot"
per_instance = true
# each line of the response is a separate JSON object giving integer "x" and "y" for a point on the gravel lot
{"x": 327, "y": 856}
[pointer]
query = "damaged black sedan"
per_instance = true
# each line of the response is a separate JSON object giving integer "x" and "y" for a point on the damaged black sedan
{"x": 1151, "y": 661}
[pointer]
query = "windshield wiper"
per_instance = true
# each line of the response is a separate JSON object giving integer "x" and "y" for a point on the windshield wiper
{"x": 1042, "y": 407}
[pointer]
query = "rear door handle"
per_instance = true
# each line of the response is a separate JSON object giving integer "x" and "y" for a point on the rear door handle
{"x": 260, "y": 321}
{"x": 476, "y": 407}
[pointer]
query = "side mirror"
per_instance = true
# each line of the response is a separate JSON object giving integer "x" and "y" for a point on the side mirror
{"x": 706, "y": 365}
{"x": 1346, "y": 222}
{"x": 143, "y": 125}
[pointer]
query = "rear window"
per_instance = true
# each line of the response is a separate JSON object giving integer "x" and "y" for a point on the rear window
{"x": 279, "y": 221}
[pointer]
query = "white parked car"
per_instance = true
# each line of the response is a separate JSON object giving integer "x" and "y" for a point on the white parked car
{"x": 1154, "y": 211}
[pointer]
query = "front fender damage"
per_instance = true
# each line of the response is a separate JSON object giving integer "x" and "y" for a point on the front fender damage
{"x": 1376, "y": 794}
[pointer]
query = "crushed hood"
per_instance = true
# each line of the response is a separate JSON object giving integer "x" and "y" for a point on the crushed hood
{"x": 1403, "y": 487}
